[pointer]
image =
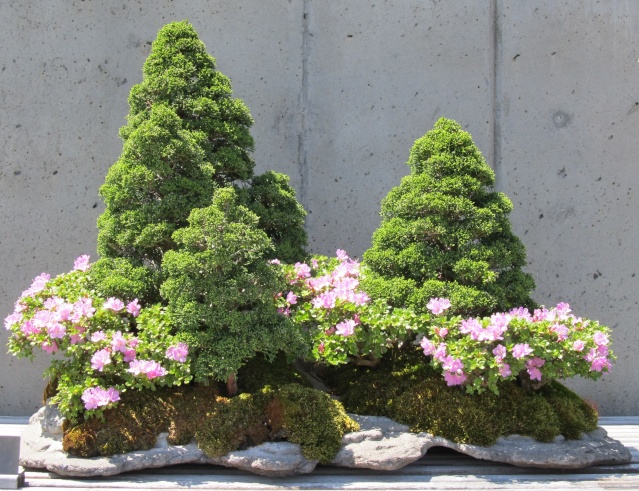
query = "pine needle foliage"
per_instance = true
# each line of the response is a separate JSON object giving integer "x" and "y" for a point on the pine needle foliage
{"x": 446, "y": 233}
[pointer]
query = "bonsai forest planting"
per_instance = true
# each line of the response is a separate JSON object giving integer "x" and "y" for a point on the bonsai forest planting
{"x": 206, "y": 317}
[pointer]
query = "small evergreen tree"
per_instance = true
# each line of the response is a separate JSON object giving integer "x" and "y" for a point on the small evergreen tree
{"x": 445, "y": 233}
{"x": 219, "y": 288}
{"x": 185, "y": 137}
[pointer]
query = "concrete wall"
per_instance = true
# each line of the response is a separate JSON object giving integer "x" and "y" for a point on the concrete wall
{"x": 339, "y": 92}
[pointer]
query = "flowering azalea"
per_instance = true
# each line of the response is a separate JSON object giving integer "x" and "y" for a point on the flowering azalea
{"x": 81, "y": 263}
{"x": 133, "y": 307}
{"x": 291, "y": 298}
{"x": 600, "y": 338}
{"x": 346, "y": 328}
{"x": 100, "y": 359}
{"x": 118, "y": 342}
{"x": 520, "y": 350}
{"x": 152, "y": 369}
{"x": 114, "y": 304}
{"x": 95, "y": 397}
{"x": 438, "y": 305}
{"x": 56, "y": 331}
{"x": 178, "y": 352}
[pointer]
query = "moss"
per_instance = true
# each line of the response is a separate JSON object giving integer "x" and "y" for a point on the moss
{"x": 297, "y": 414}
{"x": 411, "y": 392}
{"x": 575, "y": 415}
{"x": 137, "y": 420}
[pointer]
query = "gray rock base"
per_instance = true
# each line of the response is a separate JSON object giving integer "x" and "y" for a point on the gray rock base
{"x": 381, "y": 444}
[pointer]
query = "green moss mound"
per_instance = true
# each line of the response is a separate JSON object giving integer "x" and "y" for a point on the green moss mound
{"x": 294, "y": 413}
{"x": 286, "y": 410}
{"x": 446, "y": 233}
{"x": 409, "y": 391}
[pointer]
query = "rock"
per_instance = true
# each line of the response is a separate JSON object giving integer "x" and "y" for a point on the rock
{"x": 594, "y": 448}
{"x": 381, "y": 444}
{"x": 277, "y": 459}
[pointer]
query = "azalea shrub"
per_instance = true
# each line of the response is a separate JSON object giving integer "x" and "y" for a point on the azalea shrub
{"x": 345, "y": 326}
{"x": 104, "y": 346}
{"x": 536, "y": 348}
{"x": 343, "y": 323}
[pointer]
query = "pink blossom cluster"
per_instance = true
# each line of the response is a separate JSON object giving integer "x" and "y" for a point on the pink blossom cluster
{"x": 95, "y": 397}
{"x": 494, "y": 335}
{"x": 178, "y": 352}
{"x": 152, "y": 369}
{"x": 328, "y": 290}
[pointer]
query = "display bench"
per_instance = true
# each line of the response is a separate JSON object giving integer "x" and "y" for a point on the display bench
{"x": 442, "y": 469}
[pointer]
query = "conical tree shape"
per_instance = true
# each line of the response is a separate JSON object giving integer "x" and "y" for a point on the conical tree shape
{"x": 219, "y": 288}
{"x": 446, "y": 233}
{"x": 185, "y": 137}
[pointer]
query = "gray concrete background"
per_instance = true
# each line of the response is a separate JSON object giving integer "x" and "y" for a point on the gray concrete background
{"x": 339, "y": 92}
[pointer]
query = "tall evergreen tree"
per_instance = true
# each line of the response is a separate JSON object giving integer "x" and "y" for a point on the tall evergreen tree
{"x": 185, "y": 137}
{"x": 446, "y": 233}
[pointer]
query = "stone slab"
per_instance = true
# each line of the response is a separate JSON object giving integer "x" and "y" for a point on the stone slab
{"x": 12, "y": 481}
{"x": 381, "y": 444}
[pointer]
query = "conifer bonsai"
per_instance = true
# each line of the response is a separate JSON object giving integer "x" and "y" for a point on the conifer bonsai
{"x": 186, "y": 139}
{"x": 446, "y": 233}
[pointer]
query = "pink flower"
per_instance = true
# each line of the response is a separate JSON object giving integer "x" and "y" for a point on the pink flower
{"x": 100, "y": 359}
{"x": 152, "y": 369}
{"x": 83, "y": 308}
{"x": 560, "y": 330}
{"x": 534, "y": 374}
{"x": 118, "y": 342}
{"x": 500, "y": 352}
{"x": 284, "y": 311}
{"x": 521, "y": 312}
{"x": 341, "y": 255}
{"x": 56, "y": 331}
{"x": 12, "y": 319}
{"x": 598, "y": 364}
{"x": 535, "y": 362}
{"x": 29, "y": 328}
{"x": 42, "y": 318}
{"x": 504, "y": 370}
{"x": 39, "y": 283}
{"x": 438, "y": 305}
{"x": 578, "y": 345}
{"x": 291, "y": 298}
{"x": 441, "y": 331}
{"x": 133, "y": 342}
{"x": 321, "y": 348}
{"x": 360, "y": 298}
{"x": 602, "y": 350}
{"x": 133, "y": 307}
{"x": 95, "y": 397}
{"x": 178, "y": 352}
{"x": 53, "y": 303}
{"x": 440, "y": 353}
{"x": 470, "y": 325}
{"x": 114, "y": 304}
{"x": 600, "y": 338}
{"x": 428, "y": 346}
{"x": 319, "y": 283}
{"x": 325, "y": 300}
{"x": 346, "y": 328}
{"x": 81, "y": 263}
{"x": 302, "y": 270}
{"x": 314, "y": 263}
{"x": 50, "y": 348}
{"x": 563, "y": 310}
{"x": 540, "y": 315}
{"x": 275, "y": 261}
{"x": 521, "y": 350}
{"x": 98, "y": 336}
{"x": 453, "y": 365}
{"x": 129, "y": 355}
{"x": 454, "y": 378}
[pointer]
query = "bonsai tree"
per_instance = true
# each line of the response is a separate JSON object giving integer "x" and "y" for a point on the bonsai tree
{"x": 446, "y": 233}
{"x": 220, "y": 288}
{"x": 185, "y": 137}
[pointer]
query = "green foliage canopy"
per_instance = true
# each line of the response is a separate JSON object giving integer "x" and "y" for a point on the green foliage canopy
{"x": 446, "y": 233}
